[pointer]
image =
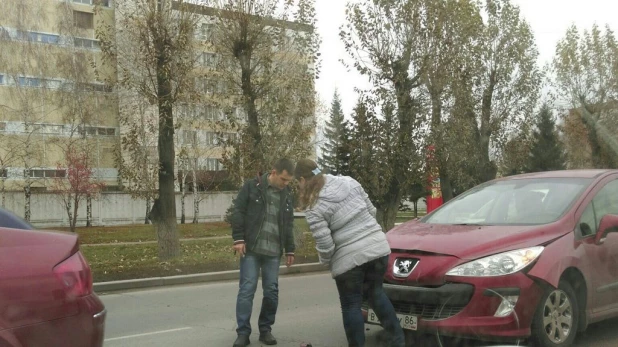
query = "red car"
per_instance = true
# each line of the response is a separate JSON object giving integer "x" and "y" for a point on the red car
{"x": 46, "y": 296}
{"x": 529, "y": 257}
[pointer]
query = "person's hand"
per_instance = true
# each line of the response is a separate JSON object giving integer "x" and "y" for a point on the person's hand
{"x": 240, "y": 248}
{"x": 290, "y": 260}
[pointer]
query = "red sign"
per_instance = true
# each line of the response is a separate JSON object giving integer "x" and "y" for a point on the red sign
{"x": 434, "y": 200}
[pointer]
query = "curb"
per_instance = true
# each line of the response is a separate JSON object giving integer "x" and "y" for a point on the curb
{"x": 154, "y": 282}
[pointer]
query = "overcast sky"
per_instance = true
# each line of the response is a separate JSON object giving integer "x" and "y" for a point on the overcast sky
{"x": 549, "y": 20}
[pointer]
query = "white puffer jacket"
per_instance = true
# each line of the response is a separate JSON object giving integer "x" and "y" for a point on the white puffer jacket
{"x": 344, "y": 227}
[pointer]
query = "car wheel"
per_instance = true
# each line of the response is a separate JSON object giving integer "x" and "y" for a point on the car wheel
{"x": 556, "y": 319}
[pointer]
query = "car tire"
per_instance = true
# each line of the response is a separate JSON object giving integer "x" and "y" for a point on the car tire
{"x": 557, "y": 317}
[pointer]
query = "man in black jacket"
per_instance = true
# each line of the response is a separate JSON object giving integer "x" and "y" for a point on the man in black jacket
{"x": 262, "y": 229}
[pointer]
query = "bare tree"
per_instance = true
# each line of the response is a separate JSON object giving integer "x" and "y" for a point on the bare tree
{"x": 153, "y": 46}
{"x": 267, "y": 62}
{"x": 30, "y": 76}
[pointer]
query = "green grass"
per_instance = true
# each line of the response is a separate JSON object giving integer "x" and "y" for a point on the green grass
{"x": 143, "y": 232}
{"x": 117, "y": 262}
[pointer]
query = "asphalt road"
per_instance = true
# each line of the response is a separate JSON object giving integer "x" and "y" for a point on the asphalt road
{"x": 203, "y": 315}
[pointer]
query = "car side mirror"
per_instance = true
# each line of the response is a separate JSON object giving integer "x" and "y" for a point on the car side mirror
{"x": 585, "y": 229}
{"x": 609, "y": 224}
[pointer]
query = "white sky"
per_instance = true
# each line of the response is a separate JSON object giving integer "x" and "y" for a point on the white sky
{"x": 549, "y": 20}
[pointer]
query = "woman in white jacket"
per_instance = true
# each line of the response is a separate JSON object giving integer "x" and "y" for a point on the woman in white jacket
{"x": 351, "y": 242}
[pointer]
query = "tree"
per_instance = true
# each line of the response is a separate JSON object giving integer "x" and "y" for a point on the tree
{"x": 136, "y": 156}
{"x": 336, "y": 151}
{"x": 79, "y": 184}
{"x": 452, "y": 29}
{"x": 417, "y": 192}
{"x": 515, "y": 155}
{"x": 30, "y": 99}
{"x": 382, "y": 38}
{"x": 267, "y": 66}
{"x": 575, "y": 137}
{"x": 546, "y": 151}
{"x": 585, "y": 69}
{"x": 154, "y": 51}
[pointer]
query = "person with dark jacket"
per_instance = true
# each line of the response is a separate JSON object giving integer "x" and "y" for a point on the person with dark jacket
{"x": 262, "y": 229}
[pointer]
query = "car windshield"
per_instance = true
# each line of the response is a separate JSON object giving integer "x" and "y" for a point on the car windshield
{"x": 512, "y": 202}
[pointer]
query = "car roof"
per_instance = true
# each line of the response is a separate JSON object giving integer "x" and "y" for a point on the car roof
{"x": 562, "y": 174}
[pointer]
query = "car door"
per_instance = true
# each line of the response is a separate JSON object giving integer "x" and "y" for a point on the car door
{"x": 602, "y": 259}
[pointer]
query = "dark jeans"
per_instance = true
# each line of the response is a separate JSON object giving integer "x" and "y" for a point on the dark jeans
{"x": 250, "y": 266}
{"x": 351, "y": 285}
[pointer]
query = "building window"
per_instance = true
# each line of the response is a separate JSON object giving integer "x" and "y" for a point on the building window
{"x": 102, "y": 131}
{"x": 188, "y": 137}
{"x": 83, "y": 20}
{"x": 44, "y": 173}
{"x": 205, "y": 32}
{"x": 212, "y": 164}
{"x": 105, "y": 3}
{"x": 209, "y": 60}
{"x": 86, "y": 43}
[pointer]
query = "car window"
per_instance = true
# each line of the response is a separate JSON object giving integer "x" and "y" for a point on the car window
{"x": 512, "y": 202}
{"x": 9, "y": 220}
{"x": 606, "y": 201}
{"x": 587, "y": 223}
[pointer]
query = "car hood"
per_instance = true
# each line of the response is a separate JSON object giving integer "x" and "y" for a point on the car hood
{"x": 470, "y": 241}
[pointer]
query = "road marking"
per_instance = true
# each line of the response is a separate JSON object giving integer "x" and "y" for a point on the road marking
{"x": 147, "y": 334}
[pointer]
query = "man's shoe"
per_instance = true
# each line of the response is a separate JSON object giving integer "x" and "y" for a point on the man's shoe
{"x": 268, "y": 338}
{"x": 242, "y": 341}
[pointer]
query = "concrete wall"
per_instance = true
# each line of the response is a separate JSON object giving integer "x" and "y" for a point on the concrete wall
{"x": 112, "y": 208}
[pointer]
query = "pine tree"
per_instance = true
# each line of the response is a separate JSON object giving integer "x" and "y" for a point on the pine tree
{"x": 336, "y": 151}
{"x": 546, "y": 152}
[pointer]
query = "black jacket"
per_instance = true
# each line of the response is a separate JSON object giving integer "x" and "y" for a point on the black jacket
{"x": 250, "y": 212}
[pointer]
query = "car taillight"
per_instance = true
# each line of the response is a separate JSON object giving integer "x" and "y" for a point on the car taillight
{"x": 75, "y": 276}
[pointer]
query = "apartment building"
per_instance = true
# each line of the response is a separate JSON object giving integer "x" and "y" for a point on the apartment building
{"x": 50, "y": 95}
{"x": 56, "y": 88}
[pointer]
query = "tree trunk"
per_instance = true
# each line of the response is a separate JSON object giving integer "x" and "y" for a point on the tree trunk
{"x": 147, "y": 218}
{"x": 88, "y": 211}
{"x": 27, "y": 210}
{"x": 415, "y": 203}
{"x": 74, "y": 219}
{"x": 486, "y": 172}
{"x": 196, "y": 201}
{"x": 183, "y": 194}
{"x": 243, "y": 54}
{"x": 3, "y": 194}
{"x": 387, "y": 215}
{"x": 164, "y": 209}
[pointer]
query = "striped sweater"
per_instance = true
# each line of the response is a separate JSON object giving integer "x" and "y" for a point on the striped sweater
{"x": 344, "y": 227}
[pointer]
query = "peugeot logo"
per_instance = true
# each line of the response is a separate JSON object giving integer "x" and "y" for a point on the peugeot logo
{"x": 403, "y": 267}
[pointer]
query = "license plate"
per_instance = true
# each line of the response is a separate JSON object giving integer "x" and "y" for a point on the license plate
{"x": 407, "y": 322}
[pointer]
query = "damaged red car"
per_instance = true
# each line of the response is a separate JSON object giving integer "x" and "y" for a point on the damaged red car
{"x": 530, "y": 257}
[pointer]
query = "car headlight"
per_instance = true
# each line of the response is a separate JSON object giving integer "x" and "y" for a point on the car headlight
{"x": 498, "y": 264}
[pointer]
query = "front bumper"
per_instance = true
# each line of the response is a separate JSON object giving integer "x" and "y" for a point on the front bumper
{"x": 467, "y": 307}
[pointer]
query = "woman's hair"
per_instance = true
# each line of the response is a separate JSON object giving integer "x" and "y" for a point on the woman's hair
{"x": 314, "y": 181}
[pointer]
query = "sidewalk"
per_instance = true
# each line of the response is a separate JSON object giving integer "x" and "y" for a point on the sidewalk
{"x": 143, "y": 283}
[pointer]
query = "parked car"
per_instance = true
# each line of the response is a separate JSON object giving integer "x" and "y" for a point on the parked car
{"x": 46, "y": 295}
{"x": 529, "y": 257}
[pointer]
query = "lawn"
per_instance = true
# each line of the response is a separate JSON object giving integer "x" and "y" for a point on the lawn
{"x": 143, "y": 232}
{"x": 117, "y": 262}
{"x": 113, "y": 261}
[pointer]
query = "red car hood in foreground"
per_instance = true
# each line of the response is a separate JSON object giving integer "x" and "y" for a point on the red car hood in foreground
{"x": 470, "y": 241}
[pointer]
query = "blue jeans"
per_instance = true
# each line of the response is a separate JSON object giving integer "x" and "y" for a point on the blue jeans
{"x": 250, "y": 266}
{"x": 367, "y": 279}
